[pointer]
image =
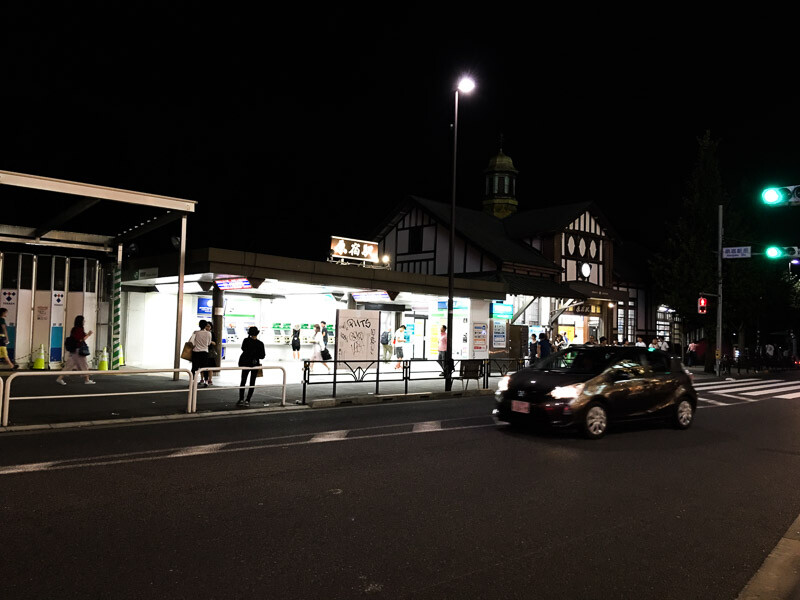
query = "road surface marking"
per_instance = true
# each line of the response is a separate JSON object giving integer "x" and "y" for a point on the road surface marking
{"x": 427, "y": 426}
{"x": 276, "y": 442}
{"x": 728, "y": 382}
{"x": 789, "y": 388}
{"x": 714, "y": 402}
{"x": 329, "y": 436}
{"x": 197, "y": 450}
{"x": 753, "y": 385}
{"x": 789, "y": 396}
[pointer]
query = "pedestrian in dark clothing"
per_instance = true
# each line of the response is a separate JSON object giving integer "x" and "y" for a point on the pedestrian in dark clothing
{"x": 252, "y": 353}
{"x": 544, "y": 346}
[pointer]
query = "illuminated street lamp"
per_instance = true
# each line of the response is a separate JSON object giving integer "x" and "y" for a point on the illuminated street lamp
{"x": 465, "y": 86}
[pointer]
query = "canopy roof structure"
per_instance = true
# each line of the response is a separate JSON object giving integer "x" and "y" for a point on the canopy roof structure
{"x": 145, "y": 212}
{"x": 149, "y": 210}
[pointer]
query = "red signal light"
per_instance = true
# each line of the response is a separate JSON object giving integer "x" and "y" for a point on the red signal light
{"x": 702, "y": 305}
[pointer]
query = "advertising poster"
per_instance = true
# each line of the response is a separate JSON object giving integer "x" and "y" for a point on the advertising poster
{"x": 498, "y": 334}
{"x": 479, "y": 341}
{"x": 357, "y": 334}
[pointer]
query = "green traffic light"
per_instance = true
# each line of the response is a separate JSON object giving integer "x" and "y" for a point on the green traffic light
{"x": 774, "y": 252}
{"x": 771, "y": 196}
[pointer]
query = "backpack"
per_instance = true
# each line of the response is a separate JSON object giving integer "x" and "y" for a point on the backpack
{"x": 385, "y": 338}
{"x": 70, "y": 344}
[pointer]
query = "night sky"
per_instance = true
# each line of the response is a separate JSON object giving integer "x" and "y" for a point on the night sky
{"x": 291, "y": 126}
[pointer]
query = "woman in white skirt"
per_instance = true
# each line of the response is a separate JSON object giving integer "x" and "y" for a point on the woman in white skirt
{"x": 76, "y": 361}
{"x": 316, "y": 349}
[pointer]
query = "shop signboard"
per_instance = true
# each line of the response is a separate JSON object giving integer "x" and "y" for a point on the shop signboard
{"x": 346, "y": 249}
{"x": 498, "y": 333}
{"x": 370, "y": 296}
{"x": 501, "y": 310}
{"x": 239, "y": 283}
{"x": 442, "y": 305}
{"x": 479, "y": 337}
{"x": 357, "y": 333}
{"x": 204, "y": 306}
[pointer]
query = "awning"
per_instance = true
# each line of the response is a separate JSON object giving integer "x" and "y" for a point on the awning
{"x": 596, "y": 292}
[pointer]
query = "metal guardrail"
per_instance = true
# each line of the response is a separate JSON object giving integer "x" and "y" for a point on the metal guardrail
{"x": 198, "y": 376}
{"x": 7, "y": 390}
{"x": 370, "y": 371}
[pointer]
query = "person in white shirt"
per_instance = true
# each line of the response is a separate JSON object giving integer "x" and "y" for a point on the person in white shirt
{"x": 316, "y": 349}
{"x": 640, "y": 342}
{"x": 399, "y": 342}
{"x": 663, "y": 344}
{"x": 200, "y": 341}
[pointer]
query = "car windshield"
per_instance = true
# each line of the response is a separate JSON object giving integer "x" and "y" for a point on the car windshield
{"x": 577, "y": 360}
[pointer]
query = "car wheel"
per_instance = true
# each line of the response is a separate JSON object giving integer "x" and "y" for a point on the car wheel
{"x": 595, "y": 421}
{"x": 684, "y": 414}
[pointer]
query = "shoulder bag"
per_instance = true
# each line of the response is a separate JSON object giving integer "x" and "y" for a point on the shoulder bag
{"x": 83, "y": 349}
{"x": 188, "y": 347}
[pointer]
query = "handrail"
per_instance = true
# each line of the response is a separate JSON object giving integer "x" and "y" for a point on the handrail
{"x": 7, "y": 390}
{"x": 197, "y": 377}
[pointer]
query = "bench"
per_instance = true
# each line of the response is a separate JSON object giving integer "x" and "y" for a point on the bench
{"x": 470, "y": 369}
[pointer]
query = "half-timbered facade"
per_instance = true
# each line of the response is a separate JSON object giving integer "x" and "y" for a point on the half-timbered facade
{"x": 557, "y": 262}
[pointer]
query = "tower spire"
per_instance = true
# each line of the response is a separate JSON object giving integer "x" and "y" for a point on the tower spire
{"x": 500, "y": 195}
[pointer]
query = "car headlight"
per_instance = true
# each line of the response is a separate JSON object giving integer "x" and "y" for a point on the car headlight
{"x": 567, "y": 392}
{"x": 502, "y": 385}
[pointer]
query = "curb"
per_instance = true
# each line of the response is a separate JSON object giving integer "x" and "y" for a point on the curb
{"x": 387, "y": 398}
{"x": 779, "y": 575}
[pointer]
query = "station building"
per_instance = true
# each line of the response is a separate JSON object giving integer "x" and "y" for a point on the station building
{"x": 517, "y": 272}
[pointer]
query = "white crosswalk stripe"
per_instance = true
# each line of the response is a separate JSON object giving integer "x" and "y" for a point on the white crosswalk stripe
{"x": 750, "y": 385}
{"x": 785, "y": 388}
{"x": 714, "y": 402}
{"x": 746, "y": 390}
{"x": 708, "y": 384}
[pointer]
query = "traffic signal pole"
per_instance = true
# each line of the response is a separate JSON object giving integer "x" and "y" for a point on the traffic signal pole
{"x": 718, "y": 354}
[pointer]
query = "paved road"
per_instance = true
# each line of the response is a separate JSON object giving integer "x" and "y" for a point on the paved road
{"x": 410, "y": 500}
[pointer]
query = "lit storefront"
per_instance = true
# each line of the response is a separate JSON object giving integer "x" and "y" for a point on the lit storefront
{"x": 285, "y": 293}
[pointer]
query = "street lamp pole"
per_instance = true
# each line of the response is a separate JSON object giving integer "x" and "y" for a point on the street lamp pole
{"x": 466, "y": 85}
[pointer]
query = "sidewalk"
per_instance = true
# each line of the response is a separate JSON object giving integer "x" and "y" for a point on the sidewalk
{"x": 158, "y": 396}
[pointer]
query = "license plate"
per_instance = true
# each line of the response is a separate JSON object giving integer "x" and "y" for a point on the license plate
{"x": 521, "y": 407}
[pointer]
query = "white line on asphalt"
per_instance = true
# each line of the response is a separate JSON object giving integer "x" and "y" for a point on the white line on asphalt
{"x": 29, "y": 468}
{"x": 714, "y": 402}
{"x": 753, "y": 385}
{"x": 427, "y": 426}
{"x": 707, "y": 384}
{"x": 789, "y": 396}
{"x": 196, "y": 450}
{"x": 279, "y": 442}
{"x": 788, "y": 388}
{"x": 329, "y": 436}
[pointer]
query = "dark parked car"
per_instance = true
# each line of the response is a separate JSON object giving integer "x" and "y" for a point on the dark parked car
{"x": 589, "y": 387}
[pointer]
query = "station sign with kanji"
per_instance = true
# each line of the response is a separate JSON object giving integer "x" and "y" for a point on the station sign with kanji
{"x": 346, "y": 249}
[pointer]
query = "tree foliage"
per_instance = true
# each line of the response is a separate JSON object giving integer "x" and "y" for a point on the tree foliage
{"x": 686, "y": 263}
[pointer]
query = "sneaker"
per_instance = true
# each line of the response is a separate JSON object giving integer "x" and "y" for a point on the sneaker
{"x": 61, "y": 382}
{"x": 90, "y": 382}
{"x": 15, "y": 367}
